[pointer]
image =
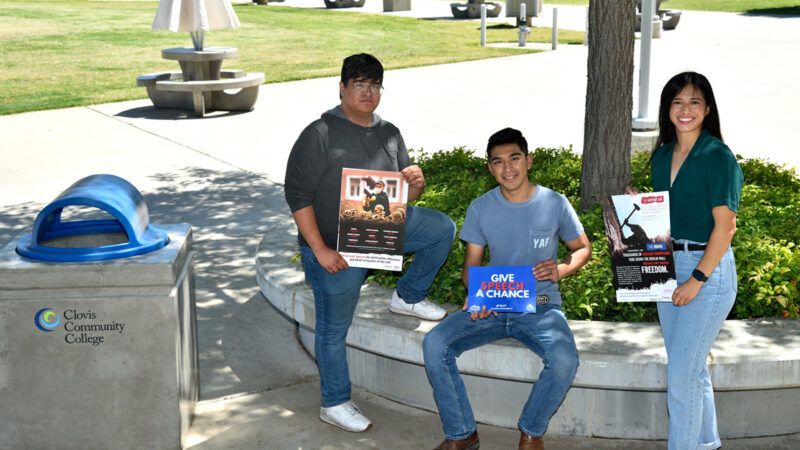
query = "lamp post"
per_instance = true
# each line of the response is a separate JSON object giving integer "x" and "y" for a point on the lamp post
{"x": 642, "y": 122}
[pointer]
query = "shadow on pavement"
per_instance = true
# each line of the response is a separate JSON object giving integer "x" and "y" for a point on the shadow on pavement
{"x": 783, "y": 12}
{"x": 150, "y": 112}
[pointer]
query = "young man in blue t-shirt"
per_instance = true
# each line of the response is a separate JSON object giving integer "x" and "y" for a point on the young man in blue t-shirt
{"x": 521, "y": 222}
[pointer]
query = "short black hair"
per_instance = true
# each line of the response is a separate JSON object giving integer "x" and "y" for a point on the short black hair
{"x": 506, "y": 136}
{"x": 361, "y": 66}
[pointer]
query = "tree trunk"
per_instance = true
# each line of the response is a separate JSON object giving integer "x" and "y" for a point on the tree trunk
{"x": 609, "y": 101}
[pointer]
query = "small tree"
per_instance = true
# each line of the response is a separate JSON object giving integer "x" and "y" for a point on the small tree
{"x": 607, "y": 126}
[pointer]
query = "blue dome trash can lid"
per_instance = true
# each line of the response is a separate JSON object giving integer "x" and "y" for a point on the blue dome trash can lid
{"x": 109, "y": 193}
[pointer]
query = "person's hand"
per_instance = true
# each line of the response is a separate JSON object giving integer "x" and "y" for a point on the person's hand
{"x": 686, "y": 292}
{"x": 630, "y": 190}
{"x": 484, "y": 313}
{"x": 413, "y": 175}
{"x": 330, "y": 260}
{"x": 546, "y": 271}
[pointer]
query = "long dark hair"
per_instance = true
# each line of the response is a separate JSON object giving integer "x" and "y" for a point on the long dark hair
{"x": 666, "y": 130}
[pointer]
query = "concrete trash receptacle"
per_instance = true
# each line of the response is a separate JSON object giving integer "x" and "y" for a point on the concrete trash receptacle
{"x": 97, "y": 327}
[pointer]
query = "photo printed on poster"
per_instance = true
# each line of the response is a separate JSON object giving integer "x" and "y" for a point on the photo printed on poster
{"x": 372, "y": 218}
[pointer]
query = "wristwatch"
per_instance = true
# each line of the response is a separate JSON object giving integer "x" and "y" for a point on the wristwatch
{"x": 699, "y": 276}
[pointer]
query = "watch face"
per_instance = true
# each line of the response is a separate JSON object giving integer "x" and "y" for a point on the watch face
{"x": 699, "y": 276}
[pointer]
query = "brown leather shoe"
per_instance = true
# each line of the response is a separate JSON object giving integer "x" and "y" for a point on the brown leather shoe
{"x": 528, "y": 442}
{"x": 469, "y": 443}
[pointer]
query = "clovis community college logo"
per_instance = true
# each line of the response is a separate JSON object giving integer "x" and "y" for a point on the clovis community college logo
{"x": 47, "y": 320}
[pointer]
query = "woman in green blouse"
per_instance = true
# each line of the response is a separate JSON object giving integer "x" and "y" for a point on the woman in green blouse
{"x": 705, "y": 183}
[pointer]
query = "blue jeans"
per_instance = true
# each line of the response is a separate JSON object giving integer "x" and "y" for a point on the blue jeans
{"x": 689, "y": 332}
{"x": 429, "y": 234}
{"x": 545, "y": 332}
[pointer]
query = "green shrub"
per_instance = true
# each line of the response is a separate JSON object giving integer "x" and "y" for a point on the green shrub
{"x": 766, "y": 243}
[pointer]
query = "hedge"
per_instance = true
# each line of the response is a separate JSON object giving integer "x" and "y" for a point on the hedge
{"x": 765, "y": 245}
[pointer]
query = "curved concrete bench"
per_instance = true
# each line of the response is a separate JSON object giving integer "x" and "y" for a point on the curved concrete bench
{"x": 168, "y": 90}
{"x": 619, "y": 390}
{"x": 242, "y": 100}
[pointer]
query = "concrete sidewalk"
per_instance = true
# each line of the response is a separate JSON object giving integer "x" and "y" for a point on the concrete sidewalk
{"x": 222, "y": 173}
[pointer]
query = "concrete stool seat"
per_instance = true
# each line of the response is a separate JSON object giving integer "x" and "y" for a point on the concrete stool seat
{"x": 670, "y": 18}
{"x": 344, "y": 3}
{"x": 619, "y": 390}
{"x": 473, "y": 10}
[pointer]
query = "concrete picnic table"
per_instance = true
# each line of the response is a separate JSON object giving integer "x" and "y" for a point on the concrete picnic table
{"x": 201, "y": 83}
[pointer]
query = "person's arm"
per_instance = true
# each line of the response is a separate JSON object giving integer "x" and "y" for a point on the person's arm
{"x": 328, "y": 258}
{"x": 304, "y": 169}
{"x": 473, "y": 256}
{"x": 580, "y": 252}
{"x": 718, "y": 243}
{"x": 410, "y": 171}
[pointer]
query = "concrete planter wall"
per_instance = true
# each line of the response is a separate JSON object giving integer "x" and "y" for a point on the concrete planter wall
{"x": 619, "y": 390}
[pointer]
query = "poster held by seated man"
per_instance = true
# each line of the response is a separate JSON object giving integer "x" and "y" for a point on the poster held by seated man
{"x": 372, "y": 225}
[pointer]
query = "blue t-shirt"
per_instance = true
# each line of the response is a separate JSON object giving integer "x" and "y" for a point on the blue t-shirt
{"x": 522, "y": 234}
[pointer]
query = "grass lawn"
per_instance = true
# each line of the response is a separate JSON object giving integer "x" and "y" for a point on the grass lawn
{"x": 791, "y": 7}
{"x": 56, "y": 54}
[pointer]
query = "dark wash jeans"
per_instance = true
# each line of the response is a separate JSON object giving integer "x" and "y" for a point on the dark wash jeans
{"x": 429, "y": 235}
{"x": 545, "y": 332}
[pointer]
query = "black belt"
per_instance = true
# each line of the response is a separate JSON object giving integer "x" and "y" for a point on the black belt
{"x": 678, "y": 247}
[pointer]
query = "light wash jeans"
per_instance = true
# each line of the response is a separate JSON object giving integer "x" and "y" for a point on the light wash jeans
{"x": 544, "y": 332}
{"x": 429, "y": 235}
{"x": 689, "y": 332}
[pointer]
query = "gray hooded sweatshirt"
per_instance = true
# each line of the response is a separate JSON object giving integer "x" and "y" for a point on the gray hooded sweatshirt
{"x": 314, "y": 170}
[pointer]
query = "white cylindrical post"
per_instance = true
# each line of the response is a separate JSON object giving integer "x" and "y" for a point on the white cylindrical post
{"x": 483, "y": 25}
{"x": 522, "y": 18}
{"x": 648, "y": 11}
{"x": 555, "y": 28}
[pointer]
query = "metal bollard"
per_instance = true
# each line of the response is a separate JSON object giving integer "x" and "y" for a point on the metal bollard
{"x": 523, "y": 26}
{"x": 554, "y": 37}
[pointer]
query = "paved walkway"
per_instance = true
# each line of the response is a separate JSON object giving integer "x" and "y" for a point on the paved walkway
{"x": 222, "y": 175}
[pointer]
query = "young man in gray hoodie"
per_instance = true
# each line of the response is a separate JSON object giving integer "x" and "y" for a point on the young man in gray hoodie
{"x": 352, "y": 135}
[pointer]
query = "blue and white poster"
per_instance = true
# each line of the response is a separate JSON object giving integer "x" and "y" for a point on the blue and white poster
{"x": 501, "y": 289}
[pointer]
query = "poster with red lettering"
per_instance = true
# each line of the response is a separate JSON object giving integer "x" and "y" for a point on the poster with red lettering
{"x": 501, "y": 289}
{"x": 372, "y": 218}
{"x": 638, "y": 231}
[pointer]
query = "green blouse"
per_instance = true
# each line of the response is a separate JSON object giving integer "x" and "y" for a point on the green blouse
{"x": 709, "y": 177}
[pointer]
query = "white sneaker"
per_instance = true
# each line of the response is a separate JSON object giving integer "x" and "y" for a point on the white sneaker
{"x": 346, "y": 416}
{"x": 424, "y": 309}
